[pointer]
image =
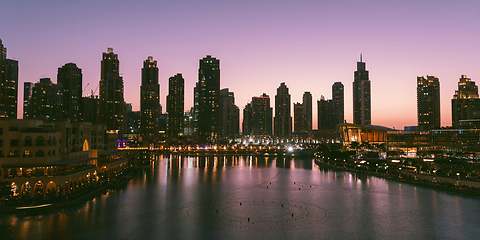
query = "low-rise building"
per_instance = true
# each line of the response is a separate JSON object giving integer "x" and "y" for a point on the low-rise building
{"x": 39, "y": 158}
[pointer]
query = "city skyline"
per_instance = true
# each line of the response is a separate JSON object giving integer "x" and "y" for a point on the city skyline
{"x": 398, "y": 43}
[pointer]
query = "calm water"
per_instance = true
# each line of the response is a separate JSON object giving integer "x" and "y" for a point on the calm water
{"x": 256, "y": 198}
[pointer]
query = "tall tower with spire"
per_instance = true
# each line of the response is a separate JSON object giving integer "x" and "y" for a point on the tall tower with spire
{"x": 361, "y": 95}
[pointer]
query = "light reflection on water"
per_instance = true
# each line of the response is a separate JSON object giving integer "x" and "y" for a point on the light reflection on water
{"x": 156, "y": 202}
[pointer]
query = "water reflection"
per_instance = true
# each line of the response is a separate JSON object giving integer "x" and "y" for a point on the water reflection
{"x": 170, "y": 199}
{"x": 215, "y": 162}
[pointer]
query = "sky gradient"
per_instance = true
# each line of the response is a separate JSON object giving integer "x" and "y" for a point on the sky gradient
{"x": 309, "y": 45}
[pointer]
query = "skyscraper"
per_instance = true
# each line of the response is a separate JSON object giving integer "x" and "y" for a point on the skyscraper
{"x": 208, "y": 99}
{"x": 257, "y": 117}
{"x": 8, "y": 84}
{"x": 283, "y": 118}
{"x": 70, "y": 78}
{"x": 361, "y": 95}
{"x": 149, "y": 102}
{"x": 46, "y": 101}
{"x": 428, "y": 103}
{"x": 465, "y": 102}
{"x": 338, "y": 101}
{"x": 111, "y": 103}
{"x": 229, "y": 114}
{"x": 298, "y": 118}
{"x": 307, "y": 112}
{"x": 326, "y": 117}
{"x": 331, "y": 112}
{"x": 27, "y": 95}
{"x": 175, "y": 105}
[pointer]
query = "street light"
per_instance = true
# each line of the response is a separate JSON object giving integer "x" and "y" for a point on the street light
{"x": 458, "y": 175}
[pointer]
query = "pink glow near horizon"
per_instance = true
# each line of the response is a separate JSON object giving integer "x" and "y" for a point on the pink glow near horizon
{"x": 309, "y": 45}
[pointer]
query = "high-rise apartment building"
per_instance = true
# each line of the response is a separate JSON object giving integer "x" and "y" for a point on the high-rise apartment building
{"x": 111, "y": 103}
{"x": 465, "y": 102}
{"x": 338, "y": 101}
{"x": 331, "y": 112}
{"x": 69, "y": 77}
{"x": 8, "y": 84}
{"x": 208, "y": 99}
{"x": 229, "y": 115}
{"x": 149, "y": 102}
{"x": 257, "y": 117}
{"x": 298, "y": 118}
{"x": 46, "y": 101}
{"x": 428, "y": 103}
{"x": 89, "y": 109}
{"x": 175, "y": 105}
{"x": 27, "y": 95}
{"x": 307, "y": 112}
{"x": 361, "y": 95}
{"x": 326, "y": 114}
{"x": 283, "y": 118}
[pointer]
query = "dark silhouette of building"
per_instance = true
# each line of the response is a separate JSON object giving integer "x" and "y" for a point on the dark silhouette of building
{"x": 229, "y": 115}
{"x": 361, "y": 96}
{"x": 331, "y": 112}
{"x": 307, "y": 112}
{"x": 46, "y": 101}
{"x": 338, "y": 101}
{"x": 257, "y": 117}
{"x": 133, "y": 120}
{"x": 298, "y": 118}
{"x": 194, "y": 113}
{"x": 149, "y": 102}
{"x": 27, "y": 95}
{"x": 175, "y": 105}
{"x": 89, "y": 109}
{"x": 465, "y": 102}
{"x": 208, "y": 99}
{"x": 283, "y": 118}
{"x": 69, "y": 77}
{"x": 428, "y": 103}
{"x": 8, "y": 84}
{"x": 111, "y": 103}
{"x": 326, "y": 114}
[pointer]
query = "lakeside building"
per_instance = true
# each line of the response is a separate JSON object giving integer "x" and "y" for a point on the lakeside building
{"x": 39, "y": 158}
{"x": 372, "y": 134}
{"x": 464, "y": 140}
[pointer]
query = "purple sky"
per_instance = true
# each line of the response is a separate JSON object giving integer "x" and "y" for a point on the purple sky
{"x": 306, "y": 44}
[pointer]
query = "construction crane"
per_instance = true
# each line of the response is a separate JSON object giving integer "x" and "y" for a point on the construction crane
{"x": 93, "y": 92}
{"x": 85, "y": 88}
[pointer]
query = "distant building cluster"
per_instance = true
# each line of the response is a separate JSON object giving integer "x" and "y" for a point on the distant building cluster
{"x": 214, "y": 116}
